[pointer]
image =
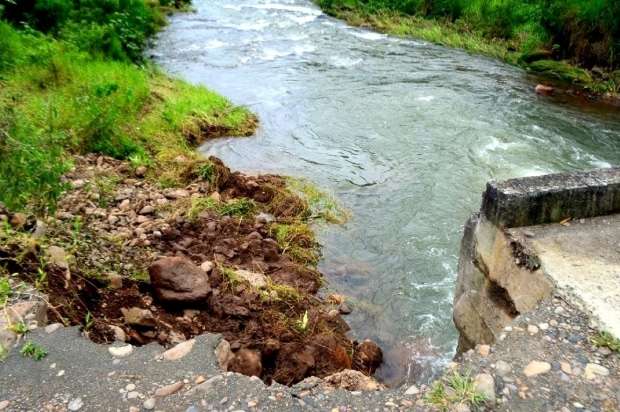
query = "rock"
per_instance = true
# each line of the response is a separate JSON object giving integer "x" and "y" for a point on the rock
{"x": 139, "y": 317}
{"x": 367, "y": 356}
{"x": 115, "y": 281}
{"x": 352, "y": 381}
{"x": 57, "y": 256}
{"x": 133, "y": 395}
{"x": 484, "y": 350}
{"x": 566, "y": 368}
{"x": 40, "y": 230}
{"x": 75, "y": 404}
{"x": 53, "y": 327}
{"x": 176, "y": 194}
{"x": 32, "y": 311}
{"x": 216, "y": 196}
{"x": 147, "y": 210}
{"x": 141, "y": 172}
{"x": 247, "y": 362}
{"x": 344, "y": 309}
{"x": 178, "y": 280}
{"x": 265, "y": 218}
{"x": 502, "y": 368}
{"x": 256, "y": 280}
{"x": 130, "y": 387}
{"x": 119, "y": 333}
{"x": 120, "y": 351}
{"x": 18, "y": 220}
{"x": 593, "y": 370}
{"x": 125, "y": 205}
{"x": 532, "y": 329}
{"x": 461, "y": 407}
{"x": 4, "y": 404}
{"x": 169, "y": 389}
{"x": 207, "y": 266}
{"x": 536, "y": 368}
{"x": 224, "y": 354}
{"x": 113, "y": 220}
{"x": 134, "y": 409}
{"x": 179, "y": 351}
{"x": 544, "y": 90}
{"x": 149, "y": 404}
{"x": 413, "y": 390}
{"x": 485, "y": 384}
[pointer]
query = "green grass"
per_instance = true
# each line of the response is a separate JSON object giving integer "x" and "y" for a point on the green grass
{"x": 607, "y": 340}
{"x": 56, "y": 100}
{"x": 453, "y": 390}
{"x": 5, "y": 290}
{"x": 297, "y": 241}
{"x": 525, "y": 33}
{"x": 239, "y": 207}
{"x": 321, "y": 205}
{"x": 32, "y": 350}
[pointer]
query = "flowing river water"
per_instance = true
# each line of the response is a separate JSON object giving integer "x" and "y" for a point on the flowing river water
{"x": 404, "y": 133}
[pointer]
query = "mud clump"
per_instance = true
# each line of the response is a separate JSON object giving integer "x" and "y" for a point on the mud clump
{"x": 148, "y": 264}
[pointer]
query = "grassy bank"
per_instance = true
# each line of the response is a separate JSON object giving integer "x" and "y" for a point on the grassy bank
{"x": 79, "y": 85}
{"x": 577, "y": 45}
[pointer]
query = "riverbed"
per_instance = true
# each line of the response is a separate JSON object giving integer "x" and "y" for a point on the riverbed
{"x": 404, "y": 133}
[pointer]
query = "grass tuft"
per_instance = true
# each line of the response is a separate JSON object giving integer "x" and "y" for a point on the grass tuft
{"x": 453, "y": 390}
{"x": 32, "y": 350}
{"x": 606, "y": 340}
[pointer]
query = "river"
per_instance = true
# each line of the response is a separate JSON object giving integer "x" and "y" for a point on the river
{"x": 403, "y": 132}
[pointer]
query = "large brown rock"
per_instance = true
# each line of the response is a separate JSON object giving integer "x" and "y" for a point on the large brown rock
{"x": 178, "y": 280}
{"x": 367, "y": 357}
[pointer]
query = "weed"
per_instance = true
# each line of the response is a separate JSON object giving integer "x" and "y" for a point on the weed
{"x": 89, "y": 321}
{"x": 297, "y": 241}
{"x": 606, "y": 339}
{"x": 20, "y": 328}
{"x": 301, "y": 324}
{"x": 453, "y": 390}
{"x": 32, "y": 350}
{"x": 3, "y": 353}
{"x": 280, "y": 292}
{"x": 237, "y": 207}
{"x": 231, "y": 277}
{"x": 5, "y": 290}
{"x": 322, "y": 206}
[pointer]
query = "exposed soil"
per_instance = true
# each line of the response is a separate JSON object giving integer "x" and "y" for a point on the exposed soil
{"x": 114, "y": 223}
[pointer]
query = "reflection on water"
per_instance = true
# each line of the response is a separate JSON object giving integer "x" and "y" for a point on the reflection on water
{"x": 405, "y": 133}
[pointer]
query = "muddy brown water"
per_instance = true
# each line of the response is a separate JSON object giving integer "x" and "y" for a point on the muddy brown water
{"x": 403, "y": 132}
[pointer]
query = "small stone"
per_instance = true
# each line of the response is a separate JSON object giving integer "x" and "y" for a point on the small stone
{"x": 502, "y": 368}
{"x": 543, "y": 326}
{"x": 119, "y": 333}
{"x": 115, "y": 281}
{"x": 140, "y": 172}
{"x": 484, "y": 350}
{"x": 179, "y": 351}
{"x": 169, "y": 389}
{"x": 53, "y": 327}
{"x": 536, "y": 368}
{"x": 413, "y": 390}
{"x": 149, "y": 404}
{"x": 224, "y": 354}
{"x": 138, "y": 317}
{"x": 207, "y": 266}
{"x": 532, "y": 329}
{"x": 344, "y": 309}
{"x": 75, "y": 404}
{"x": 544, "y": 90}
{"x": 558, "y": 310}
{"x": 61, "y": 373}
{"x": 4, "y": 404}
{"x": 147, "y": 210}
{"x": 199, "y": 379}
{"x": 120, "y": 351}
{"x": 125, "y": 205}
{"x": 553, "y": 322}
{"x": 593, "y": 370}
{"x": 566, "y": 368}
{"x": 252, "y": 404}
{"x": 485, "y": 384}
{"x": 113, "y": 220}
{"x": 130, "y": 387}
{"x": 134, "y": 409}
{"x": 133, "y": 395}
{"x": 461, "y": 407}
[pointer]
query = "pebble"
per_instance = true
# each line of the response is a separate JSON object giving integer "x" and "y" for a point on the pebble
{"x": 543, "y": 326}
{"x": 169, "y": 389}
{"x": 593, "y": 370}
{"x": 179, "y": 351}
{"x": 147, "y": 210}
{"x": 132, "y": 395}
{"x": 4, "y": 404}
{"x": 134, "y": 409}
{"x": 532, "y": 329}
{"x": 200, "y": 379}
{"x": 553, "y": 322}
{"x": 149, "y": 404}
{"x": 75, "y": 404}
{"x": 413, "y": 390}
{"x": 53, "y": 327}
{"x": 485, "y": 384}
{"x": 502, "y": 368}
{"x": 130, "y": 387}
{"x": 61, "y": 373}
{"x": 566, "y": 368}
{"x": 536, "y": 368}
{"x": 120, "y": 351}
{"x": 207, "y": 266}
{"x": 461, "y": 407}
{"x": 484, "y": 350}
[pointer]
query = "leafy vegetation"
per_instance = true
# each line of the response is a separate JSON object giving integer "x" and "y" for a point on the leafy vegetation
{"x": 5, "y": 290}
{"x": 298, "y": 242}
{"x": 69, "y": 84}
{"x": 566, "y": 32}
{"x": 235, "y": 207}
{"x": 453, "y": 390}
{"x": 607, "y": 340}
{"x": 32, "y": 350}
